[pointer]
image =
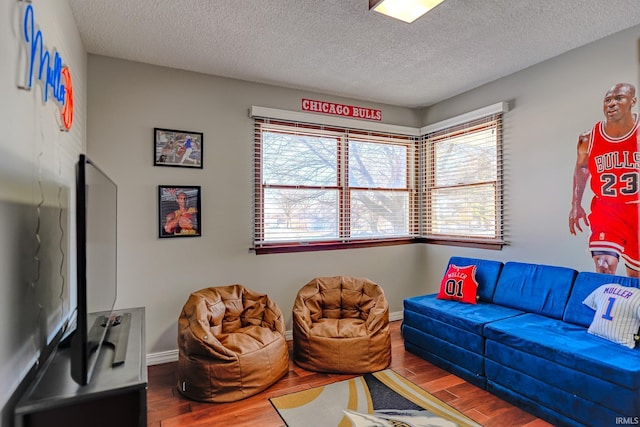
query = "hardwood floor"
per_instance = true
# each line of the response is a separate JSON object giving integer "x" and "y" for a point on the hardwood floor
{"x": 167, "y": 408}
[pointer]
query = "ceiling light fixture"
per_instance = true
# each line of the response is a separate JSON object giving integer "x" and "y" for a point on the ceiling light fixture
{"x": 404, "y": 10}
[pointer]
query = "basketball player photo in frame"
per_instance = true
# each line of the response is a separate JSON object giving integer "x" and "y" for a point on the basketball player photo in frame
{"x": 179, "y": 211}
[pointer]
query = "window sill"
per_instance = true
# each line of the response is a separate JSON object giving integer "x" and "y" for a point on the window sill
{"x": 331, "y": 246}
{"x": 467, "y": 243}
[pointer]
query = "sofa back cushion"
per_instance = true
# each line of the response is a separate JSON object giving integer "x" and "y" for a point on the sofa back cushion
{"x": 487, "y": 273}
{"x": 535, "y": 288}
{"x": 586, "y": 282}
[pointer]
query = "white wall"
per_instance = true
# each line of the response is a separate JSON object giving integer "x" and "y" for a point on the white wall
{"x": 126, "y": 101}
{"x": 37, "y": 181}
{"x": 551, "y": 104}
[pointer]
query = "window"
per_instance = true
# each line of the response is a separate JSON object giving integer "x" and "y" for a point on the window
{"x": 318, "y": 185}
{"x": 328, "y": 186}
{"x": 462, "y": 182}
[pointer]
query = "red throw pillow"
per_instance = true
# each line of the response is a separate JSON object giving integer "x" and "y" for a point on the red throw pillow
{"x": 459, "y": 284}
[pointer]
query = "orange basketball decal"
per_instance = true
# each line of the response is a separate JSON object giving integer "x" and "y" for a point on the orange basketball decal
{"x": 67, "y": 108}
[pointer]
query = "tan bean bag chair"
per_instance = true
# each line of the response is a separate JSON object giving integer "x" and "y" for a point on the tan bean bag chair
{"x": 341, "y": 324}
{"x": 231, "y": 344}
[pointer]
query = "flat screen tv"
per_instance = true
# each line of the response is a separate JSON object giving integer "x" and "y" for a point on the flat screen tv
{"x": 96, "y": 233}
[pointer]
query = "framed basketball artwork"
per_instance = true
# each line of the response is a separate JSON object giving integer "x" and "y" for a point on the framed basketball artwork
{"x": 179, "y": 211}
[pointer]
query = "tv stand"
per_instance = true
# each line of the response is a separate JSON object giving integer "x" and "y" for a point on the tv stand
{"x": 116, "y": 395}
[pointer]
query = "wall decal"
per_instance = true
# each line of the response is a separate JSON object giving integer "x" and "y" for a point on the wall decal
{"x": 608, "y": 158}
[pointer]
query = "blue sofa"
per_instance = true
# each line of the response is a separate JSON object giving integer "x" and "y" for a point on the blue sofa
{"x": 526, "y": 341}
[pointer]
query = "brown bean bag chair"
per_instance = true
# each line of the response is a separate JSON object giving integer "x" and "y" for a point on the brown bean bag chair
{"x": 341, "y": 324}
{"x": 231, "y": 344}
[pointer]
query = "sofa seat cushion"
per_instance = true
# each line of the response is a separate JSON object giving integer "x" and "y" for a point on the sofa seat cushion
{"x": 556, "y": 405}
{"x": 557, "y": 386}
{"x": 568, "y": 345}
{"x": 443, "y": 331}
{"x": 468, "y": 317}
{"x": 453, "y": 355}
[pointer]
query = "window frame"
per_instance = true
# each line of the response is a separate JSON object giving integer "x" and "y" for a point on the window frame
{"x": 417, "y": 200}
{"x": 344, "y": 137}
{"x": 429, "y": 184}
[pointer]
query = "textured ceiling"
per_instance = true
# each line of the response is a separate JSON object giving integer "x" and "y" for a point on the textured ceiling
{"x": 339, "y": 47}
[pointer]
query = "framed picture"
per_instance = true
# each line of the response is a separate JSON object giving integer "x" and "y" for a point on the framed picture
{"x": 179, "y": 211}
{"x": 179, "y": 148}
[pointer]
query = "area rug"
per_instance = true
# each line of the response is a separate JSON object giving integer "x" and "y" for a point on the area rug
{"x": 380, "y": 399}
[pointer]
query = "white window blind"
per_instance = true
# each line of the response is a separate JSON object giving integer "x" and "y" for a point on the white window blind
{"x": 462, "y": 182}
{"x": 324, "y": 184}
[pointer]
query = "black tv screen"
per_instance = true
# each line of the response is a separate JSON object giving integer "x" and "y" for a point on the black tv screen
{"x": 96, "y": 234}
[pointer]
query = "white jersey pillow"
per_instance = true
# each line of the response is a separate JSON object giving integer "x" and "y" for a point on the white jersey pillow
{"x": 617, "y": 316}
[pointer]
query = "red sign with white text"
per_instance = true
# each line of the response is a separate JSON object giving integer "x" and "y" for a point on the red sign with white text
{"x": 341, "y": 110}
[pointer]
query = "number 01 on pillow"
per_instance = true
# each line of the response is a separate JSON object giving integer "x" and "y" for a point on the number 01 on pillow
{"x": 459, "y": 284}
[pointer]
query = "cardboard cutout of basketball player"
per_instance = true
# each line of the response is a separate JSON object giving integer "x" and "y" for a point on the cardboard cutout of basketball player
{"x": 608, "y": 155}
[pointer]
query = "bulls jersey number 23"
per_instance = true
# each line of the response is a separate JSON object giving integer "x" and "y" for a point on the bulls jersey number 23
{"x": 614, "y": 164}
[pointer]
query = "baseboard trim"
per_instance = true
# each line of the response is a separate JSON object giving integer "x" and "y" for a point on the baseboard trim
{"x": 396, "y": 315}
{"x": 162, "y": 357}
{"x": 172, "y": 355}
